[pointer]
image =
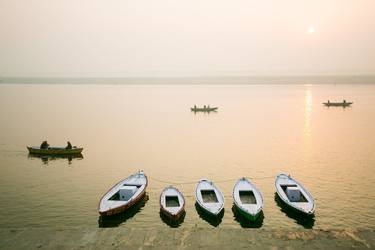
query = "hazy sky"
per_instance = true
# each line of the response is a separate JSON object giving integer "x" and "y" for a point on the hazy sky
{"x": 98, "y": 38}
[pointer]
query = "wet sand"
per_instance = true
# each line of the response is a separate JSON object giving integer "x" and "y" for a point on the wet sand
{"x": 193, "y": 238}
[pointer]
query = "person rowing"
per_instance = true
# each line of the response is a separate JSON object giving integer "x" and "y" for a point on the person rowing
{"x": 69, "y": 146}
{"x": 44, "y": 145}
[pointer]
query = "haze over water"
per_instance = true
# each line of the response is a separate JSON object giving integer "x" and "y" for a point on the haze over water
{"x": 258, "y": 131}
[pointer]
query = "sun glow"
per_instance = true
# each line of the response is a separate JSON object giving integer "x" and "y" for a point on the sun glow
{"x": 311, "y": 30}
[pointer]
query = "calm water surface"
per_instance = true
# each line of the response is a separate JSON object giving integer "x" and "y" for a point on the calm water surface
{"x": 259, "y": 131}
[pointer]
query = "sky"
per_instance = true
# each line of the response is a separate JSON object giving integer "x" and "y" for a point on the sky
{"x": 139, "y": 38}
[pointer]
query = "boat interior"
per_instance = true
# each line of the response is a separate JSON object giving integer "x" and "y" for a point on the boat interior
{"x": 209, "y": 196}
{"x": 293, "y": 193}
{"x": 125, "y": 192}
{"x": 172, "y": 201}
{"x": 247, "y": 197}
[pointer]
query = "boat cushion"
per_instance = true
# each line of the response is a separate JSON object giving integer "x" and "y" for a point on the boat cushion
{"x": 126, "y": 192}
{"x": 293, "y": 193}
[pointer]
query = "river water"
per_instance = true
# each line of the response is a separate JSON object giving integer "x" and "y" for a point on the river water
{"x": 258, "y": 132}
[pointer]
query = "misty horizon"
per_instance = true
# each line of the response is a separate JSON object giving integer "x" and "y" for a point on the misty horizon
{"x": 186, "y": 39}
{"x": 220, "y": 80}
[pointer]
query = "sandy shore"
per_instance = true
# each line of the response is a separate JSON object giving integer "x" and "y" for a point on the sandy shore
{"x": 193, "y": 238}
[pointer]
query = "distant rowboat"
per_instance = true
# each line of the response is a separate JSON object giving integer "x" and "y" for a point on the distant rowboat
{"x": 54, "y": 150}
{"x": 204, "y": 109}
{"x": 337, "y": 104}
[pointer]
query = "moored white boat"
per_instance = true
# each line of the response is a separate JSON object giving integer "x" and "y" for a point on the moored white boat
{"x": 209, "y": 197}
{"x": 247, "y": 199}
{"x": 293, "y": 194}
{"x": 123, "y": 195}
{"x": 172, "y": 203}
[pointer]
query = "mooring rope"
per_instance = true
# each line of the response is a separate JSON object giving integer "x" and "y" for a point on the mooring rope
{"x": 219, "y": 181}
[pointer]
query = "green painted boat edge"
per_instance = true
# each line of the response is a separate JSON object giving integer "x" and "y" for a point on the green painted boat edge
{"x": 248, "y": 215}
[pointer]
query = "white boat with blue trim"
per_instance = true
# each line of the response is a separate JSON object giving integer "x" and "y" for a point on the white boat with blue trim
{"x": 294, "y": 194}
{"x": 209, "y": 197}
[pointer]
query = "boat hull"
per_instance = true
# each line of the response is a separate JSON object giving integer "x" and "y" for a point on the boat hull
{"x": 309, "y": 205}
{"x": 213, "y": 208}
{"x": 337, "y": 104}
{"x": 55, "y": 151}
{"x": 251, "y": 217}
{"x": 291, "y": 209}
{"x": 174, "y": 217}
{"x": 252, "y": 206}
{"x": 203, "y": 109}
{"x": 181, "y": 210}
{"x": 123, "y": 208}
{"x": 208, "y": 212}
{"x": 139, "y": 180}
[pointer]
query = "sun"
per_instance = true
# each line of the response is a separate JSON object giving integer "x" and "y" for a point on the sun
{"x": 311, "y": 30}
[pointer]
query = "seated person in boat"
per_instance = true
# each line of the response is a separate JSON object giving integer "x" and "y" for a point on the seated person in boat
{"x": 44, "y": 145}
{"x": 69, "y": 146}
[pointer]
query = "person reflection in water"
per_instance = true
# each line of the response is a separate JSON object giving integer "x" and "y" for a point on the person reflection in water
{"x": 69, "y": 146}
{"x": 44, "y": 145}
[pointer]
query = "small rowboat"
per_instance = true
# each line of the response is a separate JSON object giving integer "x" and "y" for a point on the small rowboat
{"x": 247, "y": 199}
{"x": 123, "y": 195}
{"x": 54, "y": 150}
{"x": 337, "y": 104}
{"x": 209, "y": 197}
{"x": 172, "y": 203}
{"x": 204, "y": 109}
{"x": 294, "y": 195}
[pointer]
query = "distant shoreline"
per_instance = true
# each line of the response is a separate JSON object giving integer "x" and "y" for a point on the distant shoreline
{"x": 225, "y": 80}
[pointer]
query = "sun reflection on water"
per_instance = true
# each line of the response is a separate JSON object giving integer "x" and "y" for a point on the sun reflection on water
{"x": 307, "y": 114}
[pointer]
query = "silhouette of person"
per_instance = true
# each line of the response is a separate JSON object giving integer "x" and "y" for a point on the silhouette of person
{"x": 44, "y": 145}
{"x": 69, "y": 146}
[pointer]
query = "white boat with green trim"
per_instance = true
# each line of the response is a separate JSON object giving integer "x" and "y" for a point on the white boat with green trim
{"x": 247, "y": 199}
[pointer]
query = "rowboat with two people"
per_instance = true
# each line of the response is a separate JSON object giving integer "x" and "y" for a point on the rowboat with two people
{"x": 204, "y": 109}
{"x": 343, "y": 104}
{"x": 45, "y": 149}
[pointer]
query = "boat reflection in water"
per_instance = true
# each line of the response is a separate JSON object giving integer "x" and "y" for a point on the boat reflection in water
{"x": 117, "y": 219}
{"x": 211, "y": 219}
{"x": 170, "y": 222}
{"x": 47, "y": 158}
{"x": 246, "y": 223}
{"x": 301, "y": 219}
